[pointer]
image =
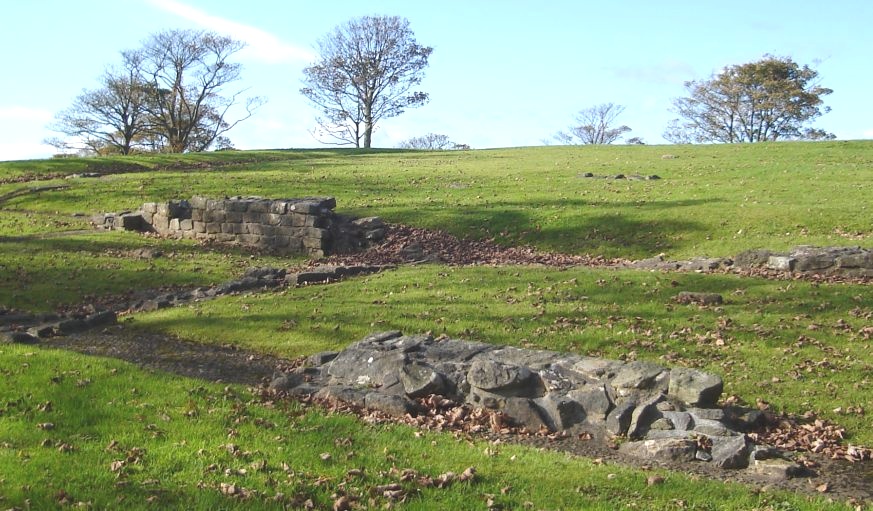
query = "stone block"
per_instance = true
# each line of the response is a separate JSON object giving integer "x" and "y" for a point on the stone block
{"x": 596, "y": 401}
{"x": 214, "y": 216}
{"x": 279, "y": 207}
{"x": 186, "y": 224}
{"x": 663, "y": 449}
{"x": 150, "y": 207}
{"x": 198, "y": 227}
{"x": 643, "y": 416}
{"x": 781, "y": 263}
{"x": 249, "y": 239}
{"x": 251, "y": 217}
{"x": 174, "y": 224}
{"x": 198, "y": 202}
{"x": 618, "y": 420}
{"x": 213, "y": 228}
{"x": 282, "y": 241}
{"x": 862, "y": 260}
{"x": 561, "y": 412}
{"x": 730, "y": 452}
{"x": 695, "y": 388}
{"x": 272, "y": 219}
{"x": 314, "y": 244}
{"x": 225, "y": 237}
{"x": 132, "y": 222}
{"x": 197, "y": 215}
{"x": 524, "y": 412}
{"x": 639, "y": 375}
{"x": 298, "y": 219}
{"x": 238, "y": 206}
{"x": 160, "y": 223}
{"x": 420, "y": 380}
{"x": 259, "y": 206}
{"x": 233, "y": 216}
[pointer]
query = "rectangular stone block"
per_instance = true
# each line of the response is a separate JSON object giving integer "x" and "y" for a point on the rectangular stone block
{"x": 238, "y": 206}
{"x": 271, "y": 218}
{"x": 160, "y": 223}
{"x": 198, "y": 227}
{"x": 150, "y": 207}
{"x": 198, "y": 202}
{"x": 298, "y": 220}
{"x": 856, "y": 261}
{"x": 214, "y": 215}
{"x": 251, "y": 217}
{"x": 233, "y": 216}
{"x": 260, "y": 206}
{"x": 315, "y": 221}
{"x": 295, "y": 245}
{"x": 315, "y": 232}
{"x": 174, "y": 224}
{"x": 213, "y": 227}
{"x": 249, "y": 239}
{"x": 197, "y": 215}
{"x": 224, "y": 237}
{"x": 255, "y": 228}
{"x": 281, "y": 241}
{"x": 314, "y": 243}
{"x": 279, "y": 207}
{"x": 287, "y": 221}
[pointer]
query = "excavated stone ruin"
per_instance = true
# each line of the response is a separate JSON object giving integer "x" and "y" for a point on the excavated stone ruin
{"x": 667, "y": 414}
{"x": 287, "y": 226}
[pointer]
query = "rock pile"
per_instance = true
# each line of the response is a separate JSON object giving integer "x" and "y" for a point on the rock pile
{"x": 291, "y": 226}
{"x": 663, "y": 413}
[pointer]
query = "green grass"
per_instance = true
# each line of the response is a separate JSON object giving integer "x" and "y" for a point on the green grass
{"x": 125, "y": 438}
{"x": 712, "y": 200}
{"x": 798, "y": 345}
{"x": 759, "y": 341}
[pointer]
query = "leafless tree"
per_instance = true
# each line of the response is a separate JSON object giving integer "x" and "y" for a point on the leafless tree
{"x": 429, "y": 142}
{"x": 596, "y": 126}
{"x": 187, "y": 72}
{"x": 365, "y": 72}
{"x": 168, "y": 95}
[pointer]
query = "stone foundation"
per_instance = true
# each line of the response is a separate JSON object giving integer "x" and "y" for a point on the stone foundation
{"x": 286, "y": 226}
{"x": 663, "y": 413}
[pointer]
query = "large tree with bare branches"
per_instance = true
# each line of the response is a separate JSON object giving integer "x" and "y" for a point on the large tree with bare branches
{"x": 169, "y": 95}
{"x": 366, "y": 71}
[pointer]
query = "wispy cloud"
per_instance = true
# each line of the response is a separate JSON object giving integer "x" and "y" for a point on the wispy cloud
{"x": 668, "y": 72}
{"x": 262, "y": 45}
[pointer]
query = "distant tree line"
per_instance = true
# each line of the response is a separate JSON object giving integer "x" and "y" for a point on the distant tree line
{"x": 175, "y": 94}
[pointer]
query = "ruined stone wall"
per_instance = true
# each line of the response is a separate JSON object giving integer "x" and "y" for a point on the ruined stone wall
{"x": 288, "y": 226}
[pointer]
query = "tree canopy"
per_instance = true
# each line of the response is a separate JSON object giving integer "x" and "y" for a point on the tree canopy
{"x": 365, "y": 72}
{"x": 168, "y": 95}
{"x": 771, "y": 99}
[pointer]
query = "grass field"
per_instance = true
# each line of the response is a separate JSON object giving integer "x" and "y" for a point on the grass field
{"x": 797, "y": 345}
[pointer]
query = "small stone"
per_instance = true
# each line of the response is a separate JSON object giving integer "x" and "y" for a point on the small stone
{"x": 695, "y": 388}
{"x": 662, "y": 449}
{"x": 730, "y": 452}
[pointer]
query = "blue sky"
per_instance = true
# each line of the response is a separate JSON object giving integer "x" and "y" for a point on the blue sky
{"x": 503, "y": 73}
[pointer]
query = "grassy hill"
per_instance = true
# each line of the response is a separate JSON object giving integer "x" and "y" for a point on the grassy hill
{"x": 800, "y": 346}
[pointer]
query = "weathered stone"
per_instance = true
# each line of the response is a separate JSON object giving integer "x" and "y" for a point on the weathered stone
{"x": 781, "y": 263}
{"x": 72, "y": 325}
{"x": 730, "y": 452}
{"x": 561, "y": 413}
{"x": 775, "y": 469}
{"x": 495, "y": 376}
{"x": 694, "y": 387}
{"x": 688, "y": 297}
{"x": 322, "y": 357}
{"x": 755, "y": 258}
{"x": 42, "y": 331}
{"x": 638, "y": 375}
{"x": 103, "y": 318}
{"x": 286, "y": 382}
{"x": 619, "y": 419}
{"x": 662, "y": 449}
{"x": 392, "y": 404}
{"x": 712, "y": 428}
{"x": 681, "y": 421}
{"x": 643, "y": 416}
{"x": 19, "y": 338}
{"x": 524, "y": 412}
{"x": 420, "y": 380}
{"x": 596, "y": 401}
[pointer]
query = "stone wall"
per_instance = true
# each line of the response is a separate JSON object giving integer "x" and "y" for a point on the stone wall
{"x": 288, "y": 226}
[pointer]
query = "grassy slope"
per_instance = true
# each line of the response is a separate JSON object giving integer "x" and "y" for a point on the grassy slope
{"x": 715, "y": 200}
{"x": 123, "y": 437}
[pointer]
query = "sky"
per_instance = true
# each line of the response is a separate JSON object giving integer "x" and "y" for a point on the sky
{"x": 503, "y": 73}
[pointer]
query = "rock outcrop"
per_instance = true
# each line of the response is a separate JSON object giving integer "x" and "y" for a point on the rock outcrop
{"x": 663, "y": 413}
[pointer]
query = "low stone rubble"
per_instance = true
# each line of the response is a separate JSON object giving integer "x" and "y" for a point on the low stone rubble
{"x": 665, "y": 414}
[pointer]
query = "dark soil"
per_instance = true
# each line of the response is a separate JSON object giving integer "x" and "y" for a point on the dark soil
{"x": 843, "y": 481}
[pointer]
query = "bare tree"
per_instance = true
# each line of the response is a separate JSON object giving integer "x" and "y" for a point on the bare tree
{"x": 187, "y": 71}
{"x": 596, "y": 126}
{"x": 365, "y": 72}
{"x": 108, "y": 119}
{"x": 429, "y": 142}
{"x": 771, "y": 99}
